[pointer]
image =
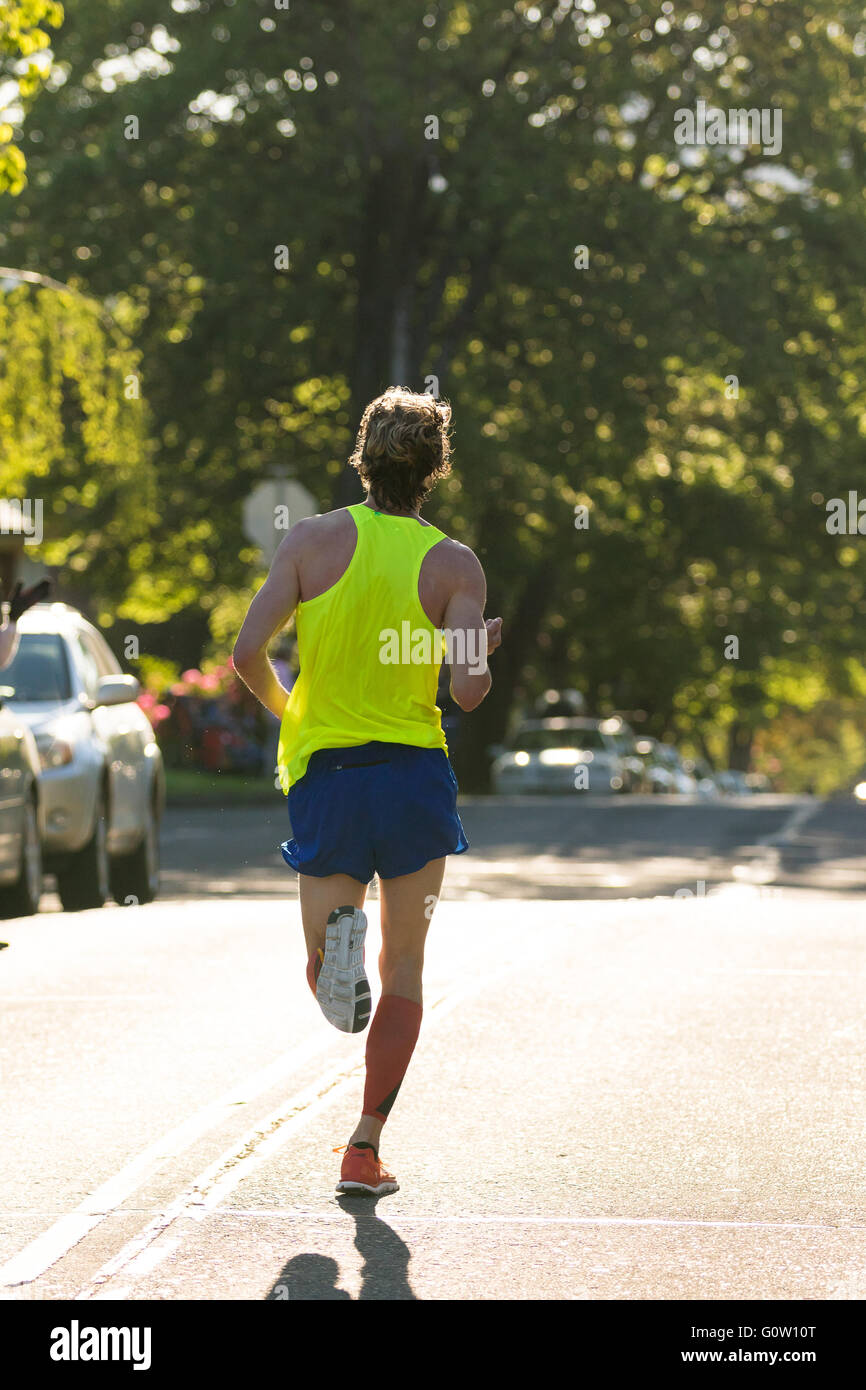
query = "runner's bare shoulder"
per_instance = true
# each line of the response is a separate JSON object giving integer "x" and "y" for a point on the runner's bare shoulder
{"x": 311, "y": 532}
{"x": 456, "y": 560}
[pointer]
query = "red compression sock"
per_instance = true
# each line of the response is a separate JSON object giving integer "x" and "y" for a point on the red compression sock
{"x": 390, "y": 1044}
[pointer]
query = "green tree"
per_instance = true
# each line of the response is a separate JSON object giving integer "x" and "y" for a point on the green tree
{"x": 74, "y": 433}
{"x": 23, "y": 43}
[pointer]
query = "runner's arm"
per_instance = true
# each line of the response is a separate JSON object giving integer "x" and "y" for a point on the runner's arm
{"x": 470, "y": 638}
{"x": 268, "y": 613}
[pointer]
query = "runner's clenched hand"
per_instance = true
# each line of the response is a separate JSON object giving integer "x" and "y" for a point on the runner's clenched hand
{"x": 494, "y": 633}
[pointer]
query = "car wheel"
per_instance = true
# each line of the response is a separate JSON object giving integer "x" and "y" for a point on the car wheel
{"x": 21, "y": 899}
{"x": 135, "y": 876}
{"x": 82, "y": 881}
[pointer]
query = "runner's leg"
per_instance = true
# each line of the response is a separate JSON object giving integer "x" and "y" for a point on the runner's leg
{"x": 319, "y": 897}
{"x": 407, "y": 905}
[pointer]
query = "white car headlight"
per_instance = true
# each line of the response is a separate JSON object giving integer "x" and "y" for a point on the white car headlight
{"x": 563, "y": 757}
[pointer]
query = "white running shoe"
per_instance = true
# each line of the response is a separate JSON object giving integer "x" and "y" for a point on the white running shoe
{"x": 342, "y": 988}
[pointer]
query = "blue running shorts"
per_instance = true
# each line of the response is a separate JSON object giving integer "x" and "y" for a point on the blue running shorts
{"x": 379, "y": 808}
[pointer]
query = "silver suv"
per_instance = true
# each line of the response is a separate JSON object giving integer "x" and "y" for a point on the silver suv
{"x": 102, "y": 785}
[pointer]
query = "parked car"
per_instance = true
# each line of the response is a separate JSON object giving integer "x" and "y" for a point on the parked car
{"x": 635, "y": 773}
{"x": 101, "y": 782}
{"x": 700, "y": 769}
{"x": 665, "y": 769}
{"x": 20, "y": 815}
{"x": 734, "y": 783}
{"x": 559, "y": 755}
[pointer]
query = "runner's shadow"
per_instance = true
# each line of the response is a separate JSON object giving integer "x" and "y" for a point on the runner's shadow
{"x": 385, "y": 1274}
{"x": 308, "y": 1278}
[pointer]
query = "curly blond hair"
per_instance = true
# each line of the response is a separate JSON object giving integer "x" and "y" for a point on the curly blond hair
{"x": 403, "y": 447}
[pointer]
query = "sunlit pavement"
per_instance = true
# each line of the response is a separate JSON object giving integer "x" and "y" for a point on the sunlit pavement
{"x": 649, "y": 1097}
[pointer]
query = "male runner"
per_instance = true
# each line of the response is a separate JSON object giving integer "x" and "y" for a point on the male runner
{"x": 362, "y": 755}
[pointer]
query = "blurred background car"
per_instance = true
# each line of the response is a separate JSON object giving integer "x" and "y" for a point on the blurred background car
{"x": 20, "y": 847}
{"x": 664, "y": 768}
{"x": 546, "y": 755}
{"x": 734, "y": 783}
{"x": 101, "y": 780}
{"x": 635, "y": 773}
{"x": 700, "y": 769}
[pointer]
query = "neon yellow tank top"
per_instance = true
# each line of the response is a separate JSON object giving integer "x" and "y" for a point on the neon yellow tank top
{"x": 369, "y": 655}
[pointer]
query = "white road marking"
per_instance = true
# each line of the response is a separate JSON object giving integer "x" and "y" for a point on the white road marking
{"x": 46, "y": 1249}
{"x": 149, "y": 1259}
{"x": 259, "y": 1144}
{"x": 764, "y": 865}
{"x": 797, "y": 819}
{"x": 401, "y": 1219}
{"x": 193, "y": 1201}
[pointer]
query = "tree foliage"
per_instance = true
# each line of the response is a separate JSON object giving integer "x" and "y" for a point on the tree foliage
{"x": 74, "y": 434}
{"x": 23, "y": 42}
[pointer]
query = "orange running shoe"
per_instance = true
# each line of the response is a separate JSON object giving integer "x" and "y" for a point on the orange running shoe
{"x": 362, "y": 1173}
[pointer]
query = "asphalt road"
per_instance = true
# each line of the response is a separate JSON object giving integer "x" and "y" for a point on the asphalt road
{"x": 558, "y": 847}
{"x": 645, "y": 1097}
